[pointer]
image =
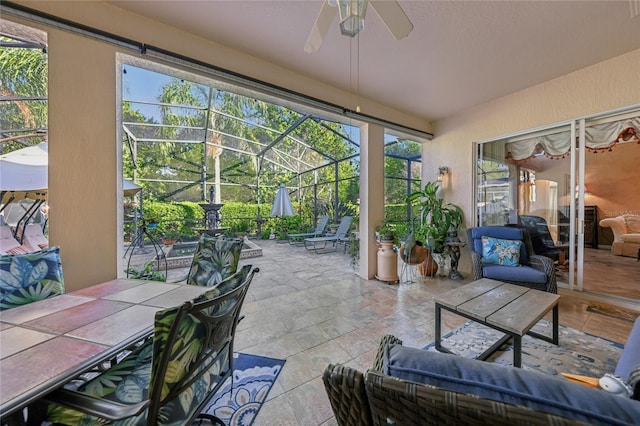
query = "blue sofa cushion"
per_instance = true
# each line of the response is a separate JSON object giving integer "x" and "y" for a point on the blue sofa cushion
{"x": 498, "y": 251}
{"x": 630, "y": 357}
{"x": 25, "y": 278}
{"x": 501, "y": 232}
{"x": 526, "y": 274}
{"x": 515, "y": 386}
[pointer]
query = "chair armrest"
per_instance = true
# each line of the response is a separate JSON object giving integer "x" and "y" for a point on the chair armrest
{"x": 386, "y": 339}
{"x": 618, "y": 227}
{"x": 98, "y": 407}
{"x": 347, "y": 395}
{"x": 545, "y": 264}
{"x": 634, "y": 382}
{"x": 476, "y": 263}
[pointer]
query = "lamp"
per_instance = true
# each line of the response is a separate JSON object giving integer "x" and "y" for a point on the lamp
{"x": 352, "y": 14}
{"x": 442, "y": 172}
{"x": 584, "y": 187}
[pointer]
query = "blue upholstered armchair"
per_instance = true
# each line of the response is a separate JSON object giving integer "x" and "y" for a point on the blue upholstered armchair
{"x": 506, "y": 254}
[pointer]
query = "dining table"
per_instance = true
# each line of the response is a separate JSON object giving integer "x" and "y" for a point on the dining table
{"x": 48, "y": 343}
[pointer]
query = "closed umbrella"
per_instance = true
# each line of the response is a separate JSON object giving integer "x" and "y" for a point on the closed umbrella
{"x": 282, "y": 204}
{"x": 281, "y": 207}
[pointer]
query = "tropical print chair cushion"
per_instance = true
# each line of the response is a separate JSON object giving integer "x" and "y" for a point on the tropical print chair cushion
{"x": 227, "y": 285}
{"x": 25, "y": 278}
{"x": 215, "y": 259}
{"x": 126, "y": 382}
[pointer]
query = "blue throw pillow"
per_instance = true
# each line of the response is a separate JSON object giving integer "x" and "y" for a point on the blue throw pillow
{"x": 25, "y": 278}
{"x": 501, "y": 252}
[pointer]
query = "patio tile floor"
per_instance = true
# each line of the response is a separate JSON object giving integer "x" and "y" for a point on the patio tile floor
{"x": 313, "y": 310}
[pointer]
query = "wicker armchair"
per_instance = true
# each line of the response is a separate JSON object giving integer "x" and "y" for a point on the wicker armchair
{"x": 532, "y": 264}
{"x": 376, "y": 399}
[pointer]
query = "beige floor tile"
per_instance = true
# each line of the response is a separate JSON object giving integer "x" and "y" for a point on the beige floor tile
{"x": 312, "y": 310}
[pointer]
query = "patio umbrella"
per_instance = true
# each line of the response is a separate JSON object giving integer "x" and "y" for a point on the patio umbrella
{"x": 282, "y": 204}
{"x": 25, "y": 169}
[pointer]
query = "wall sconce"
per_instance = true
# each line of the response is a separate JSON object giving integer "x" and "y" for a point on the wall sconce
{"x": 442, "y": 172}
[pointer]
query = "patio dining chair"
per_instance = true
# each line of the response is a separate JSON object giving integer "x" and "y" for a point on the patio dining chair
{"x": 318, "y": 232}
{"x": 340, "y": 237}
{"x": 215, "y": 259}
{"x": 169, "y": 379}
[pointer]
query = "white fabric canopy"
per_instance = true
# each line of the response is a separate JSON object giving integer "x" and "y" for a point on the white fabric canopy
{"x": 282, "y": 204}
{"x": 24, "y": 174}
{"x": 25, "y": 169}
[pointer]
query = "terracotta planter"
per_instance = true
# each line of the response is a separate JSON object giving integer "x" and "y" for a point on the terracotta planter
{"x": 418, "y": 255}
{"x": 429, "y": 267}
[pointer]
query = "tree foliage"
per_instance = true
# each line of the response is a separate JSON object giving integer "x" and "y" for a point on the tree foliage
{"x": 23, "y": 74}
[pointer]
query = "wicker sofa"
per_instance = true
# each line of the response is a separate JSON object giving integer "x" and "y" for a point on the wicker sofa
{"x": 408, "y": 386}
{"x": 626, "y": 234}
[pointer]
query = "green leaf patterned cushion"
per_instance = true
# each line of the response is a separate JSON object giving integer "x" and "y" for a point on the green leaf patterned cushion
{"x": 126, "y": 382}
{"x": 25, "y": 278}
{"x": 214, "y": 260}
{"x": 501, "y": 252}
{"x": 229, "y": 284}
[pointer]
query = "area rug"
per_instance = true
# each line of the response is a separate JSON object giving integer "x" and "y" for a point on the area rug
{"x": 253, "y": 378}
{"x": 613, "y": 311}
{"x": 578, "y": 352}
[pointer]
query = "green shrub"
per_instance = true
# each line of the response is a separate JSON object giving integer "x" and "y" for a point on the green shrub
{"x": 148, "y": 272}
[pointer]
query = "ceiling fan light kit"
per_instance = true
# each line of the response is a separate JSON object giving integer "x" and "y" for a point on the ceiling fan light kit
{"x": 352, "y": 13}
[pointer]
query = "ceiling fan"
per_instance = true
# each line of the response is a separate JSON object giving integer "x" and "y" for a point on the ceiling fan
{"x": 352, "y": 13}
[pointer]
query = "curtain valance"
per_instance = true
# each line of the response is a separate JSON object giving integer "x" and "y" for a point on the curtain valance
{"x": 599, "y": 137}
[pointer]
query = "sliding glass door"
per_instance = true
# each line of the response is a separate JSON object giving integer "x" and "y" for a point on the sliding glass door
{"x": 560, "y": 182}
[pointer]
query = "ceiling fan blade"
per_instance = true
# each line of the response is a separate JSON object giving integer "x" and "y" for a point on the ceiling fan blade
{"x": 393, "y": 17}
{"x": 320, "y": 27}
{"x": 634, "y": 8}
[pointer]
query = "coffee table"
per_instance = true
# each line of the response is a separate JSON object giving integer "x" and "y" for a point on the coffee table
{"x": 508, "y": 308}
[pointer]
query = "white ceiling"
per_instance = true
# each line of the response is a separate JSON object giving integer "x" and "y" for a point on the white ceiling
{"x": 460, "y": 53}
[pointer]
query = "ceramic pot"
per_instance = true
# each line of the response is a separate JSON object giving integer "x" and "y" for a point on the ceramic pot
{"x": 387, "y": 262}
{"x": 429, "y": 267}
{"x": 418, "y": 254}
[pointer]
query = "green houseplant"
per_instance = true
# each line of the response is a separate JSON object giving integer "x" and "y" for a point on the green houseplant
{"x": 436, "y": 217}
{"x": 386, "y": 231}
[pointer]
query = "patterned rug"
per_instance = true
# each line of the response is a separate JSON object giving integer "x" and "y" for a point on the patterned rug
{"x": 578, "y": 352}
{"x": 253, "y": 378}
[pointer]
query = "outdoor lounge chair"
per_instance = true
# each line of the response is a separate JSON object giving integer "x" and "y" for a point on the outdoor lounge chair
{"x": 33, "y": 237}
{"x": 339, "y": 237}
{"x": 8, "y": 244}
{"x": 319, "y": 231}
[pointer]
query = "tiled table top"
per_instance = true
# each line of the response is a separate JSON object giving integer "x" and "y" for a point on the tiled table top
{"x": 47, "y": 343}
